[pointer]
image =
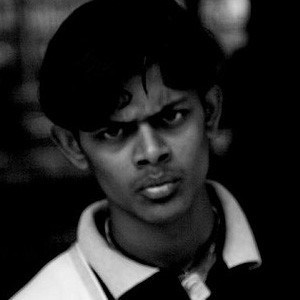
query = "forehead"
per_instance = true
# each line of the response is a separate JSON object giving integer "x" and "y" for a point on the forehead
{"x": 150, "y": 98}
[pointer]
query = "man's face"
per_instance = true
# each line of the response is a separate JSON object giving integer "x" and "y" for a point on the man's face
{"x": 151, "y": 158}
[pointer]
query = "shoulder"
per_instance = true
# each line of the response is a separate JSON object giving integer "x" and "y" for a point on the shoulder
{"x": 59, "y": 279}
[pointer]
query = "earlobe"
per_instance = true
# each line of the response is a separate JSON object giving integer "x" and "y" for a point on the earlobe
{"x": 68, "y": 145}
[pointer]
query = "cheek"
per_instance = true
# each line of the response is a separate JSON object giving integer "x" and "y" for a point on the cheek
{"x": 111, "y": 171}
{"x": 192, "y": 149}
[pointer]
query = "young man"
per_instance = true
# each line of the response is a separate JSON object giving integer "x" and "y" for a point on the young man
{"x": 131, "y": 89}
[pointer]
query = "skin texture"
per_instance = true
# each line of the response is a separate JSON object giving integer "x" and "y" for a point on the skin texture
{"x": 161, "y": 138}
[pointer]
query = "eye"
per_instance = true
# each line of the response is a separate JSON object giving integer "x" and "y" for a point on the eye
{"x": 113, "y": 133}
{"x": 116, "y": 131}
{"x": 173, "y": 117}
{"x": 110, "y": 133}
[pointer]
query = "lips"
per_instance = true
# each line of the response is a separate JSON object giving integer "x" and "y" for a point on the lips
{"x": 160, "y": 192}
{"x": 158, "y": 187}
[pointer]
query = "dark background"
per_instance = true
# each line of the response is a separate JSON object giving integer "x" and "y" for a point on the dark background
{"x": 42, "y": 195}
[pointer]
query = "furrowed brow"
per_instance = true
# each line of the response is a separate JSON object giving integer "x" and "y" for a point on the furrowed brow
{"x": 167, "y": 107}
{"x": 170, "y": 106}
{"x": 120, "y": 124}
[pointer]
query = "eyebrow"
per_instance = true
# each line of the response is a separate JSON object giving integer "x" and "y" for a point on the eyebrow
{"x": 154, "y": 116}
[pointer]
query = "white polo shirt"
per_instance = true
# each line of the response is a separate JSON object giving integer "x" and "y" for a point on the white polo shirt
{"x": 70, "y": 277}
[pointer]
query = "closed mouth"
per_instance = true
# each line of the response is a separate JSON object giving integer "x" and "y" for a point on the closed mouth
{"x": 152, "y": 181}
{"x": 160, "y": 188}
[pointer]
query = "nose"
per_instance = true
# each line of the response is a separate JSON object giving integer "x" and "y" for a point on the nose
{"x": 150, "y": 148}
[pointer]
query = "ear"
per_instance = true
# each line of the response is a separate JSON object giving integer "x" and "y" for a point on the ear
{"x": 219, "y": 139}
{"x": 213, "y": 110}
{"x": 69, "y": 146}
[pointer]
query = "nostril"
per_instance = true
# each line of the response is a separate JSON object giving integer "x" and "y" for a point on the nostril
{"x": 164, "y": 157}
{"x": 142, "y": 162}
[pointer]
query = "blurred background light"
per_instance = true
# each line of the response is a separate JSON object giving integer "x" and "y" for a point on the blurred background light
{"x": 228, "y": 20}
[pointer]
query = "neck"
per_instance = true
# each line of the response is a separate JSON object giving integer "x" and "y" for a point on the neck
{"x": 165, "y": 245}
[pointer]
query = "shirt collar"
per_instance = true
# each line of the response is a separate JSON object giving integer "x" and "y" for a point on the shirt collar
{"x": 118, "y": 272}
{"x": 240, "y": 246}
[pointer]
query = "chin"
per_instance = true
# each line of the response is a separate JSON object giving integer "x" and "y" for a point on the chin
{"x": 164, "y": 213}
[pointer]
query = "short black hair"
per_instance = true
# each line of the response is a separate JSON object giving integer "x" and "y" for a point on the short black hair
{"x": 102, "y": 44}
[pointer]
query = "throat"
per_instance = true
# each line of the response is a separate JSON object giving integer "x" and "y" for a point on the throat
{"x": 172, "y": 246}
